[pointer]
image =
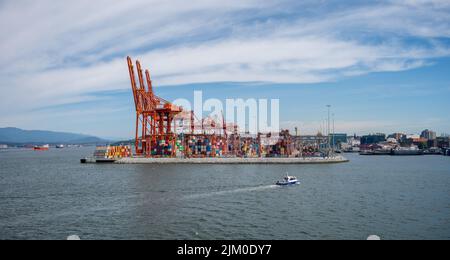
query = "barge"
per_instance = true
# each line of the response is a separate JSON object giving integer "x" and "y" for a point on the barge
{"x": 407, "y": 151}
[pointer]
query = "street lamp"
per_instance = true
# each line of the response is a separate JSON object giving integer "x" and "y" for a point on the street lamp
{"x": 334, "y": 142}
{"x": 328, "y": 129}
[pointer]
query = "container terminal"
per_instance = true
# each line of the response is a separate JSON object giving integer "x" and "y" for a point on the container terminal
{"x": 166, "y": 133}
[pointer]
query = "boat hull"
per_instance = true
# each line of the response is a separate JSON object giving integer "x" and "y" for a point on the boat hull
{"x": 375, "y": 152}
{"x": 287, "y": 183}
{"x": 40, "y": 149}
{"x": 105, "y": 160}
{"x": 407, "y": 153}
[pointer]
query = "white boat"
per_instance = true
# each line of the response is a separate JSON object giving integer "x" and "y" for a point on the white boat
{"x": 288, "y": 180}
{"x": 413, "y": 150}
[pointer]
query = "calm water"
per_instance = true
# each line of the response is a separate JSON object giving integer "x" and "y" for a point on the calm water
{"x": 50, "y": 195}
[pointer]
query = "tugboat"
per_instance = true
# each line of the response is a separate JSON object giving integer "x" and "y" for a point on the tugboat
{"x": 288, "y": 180}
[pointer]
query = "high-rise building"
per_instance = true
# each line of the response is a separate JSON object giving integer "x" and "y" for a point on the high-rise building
{"x": 428, "y": 134}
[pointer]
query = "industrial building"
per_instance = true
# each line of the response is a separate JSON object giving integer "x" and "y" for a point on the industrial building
{"x": 337, "y": 140}
{"x": 372, "y": 139}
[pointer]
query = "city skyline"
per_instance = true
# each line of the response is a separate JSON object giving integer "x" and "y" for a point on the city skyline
{"x": 382, "y": 66}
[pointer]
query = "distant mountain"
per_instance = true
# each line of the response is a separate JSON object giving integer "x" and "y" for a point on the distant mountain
{"x": 11, "y": 135}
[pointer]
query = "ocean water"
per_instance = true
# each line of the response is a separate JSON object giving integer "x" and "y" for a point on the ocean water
{"x": 50, "y": 195}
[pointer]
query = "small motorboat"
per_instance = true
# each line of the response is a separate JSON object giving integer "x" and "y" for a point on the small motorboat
{"x": 288, "y": 180}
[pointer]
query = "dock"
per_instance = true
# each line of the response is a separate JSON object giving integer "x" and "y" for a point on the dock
{"x": 232, "y": 160}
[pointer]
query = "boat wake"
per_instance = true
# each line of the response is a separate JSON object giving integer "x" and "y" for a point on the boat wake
{"x": 226, "y": 192}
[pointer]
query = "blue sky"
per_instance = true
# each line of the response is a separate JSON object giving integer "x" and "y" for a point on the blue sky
{"x": 382, "y": 65}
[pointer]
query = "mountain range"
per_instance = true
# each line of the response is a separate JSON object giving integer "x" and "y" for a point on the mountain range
{"x": 12, "y": 135}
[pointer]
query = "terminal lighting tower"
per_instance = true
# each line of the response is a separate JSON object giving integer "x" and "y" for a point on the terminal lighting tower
{"x": 328, "y": 129}
{"x": 334, "y": 141}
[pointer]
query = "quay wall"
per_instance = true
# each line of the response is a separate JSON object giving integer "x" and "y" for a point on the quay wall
{"x": 313, "y": 160}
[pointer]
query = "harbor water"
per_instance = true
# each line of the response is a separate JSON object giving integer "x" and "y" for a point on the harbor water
{"x": 50, "y": 195}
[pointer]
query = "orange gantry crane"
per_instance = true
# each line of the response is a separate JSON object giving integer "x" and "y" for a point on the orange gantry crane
{"x": 155, "y": 134}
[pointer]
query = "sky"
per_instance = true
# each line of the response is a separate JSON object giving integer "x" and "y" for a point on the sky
{"x": 383, "y": 66}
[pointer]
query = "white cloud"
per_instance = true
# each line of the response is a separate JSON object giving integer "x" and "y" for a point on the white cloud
{"x": 61, "y": 52}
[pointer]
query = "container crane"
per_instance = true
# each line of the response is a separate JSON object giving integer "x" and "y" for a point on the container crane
{"x": 154, "y": 134}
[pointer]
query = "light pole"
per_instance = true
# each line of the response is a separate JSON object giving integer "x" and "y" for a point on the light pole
{"x": 334, "y": 143}
{"x": 328, "y": 129}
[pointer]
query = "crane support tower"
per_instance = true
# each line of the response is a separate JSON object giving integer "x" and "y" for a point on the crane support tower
{"x": 155, "y": 125}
